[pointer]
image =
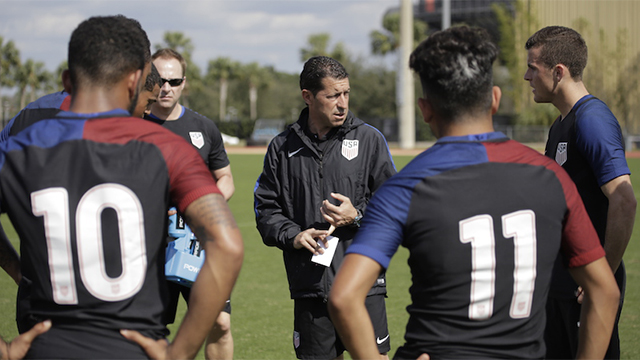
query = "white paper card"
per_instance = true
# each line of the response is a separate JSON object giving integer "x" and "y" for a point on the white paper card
{"x": 325, "y": 259}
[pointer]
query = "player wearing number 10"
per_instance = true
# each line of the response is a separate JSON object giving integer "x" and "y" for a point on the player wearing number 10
{"x": 483, "y": 218}
{"x": 88, "y": 192}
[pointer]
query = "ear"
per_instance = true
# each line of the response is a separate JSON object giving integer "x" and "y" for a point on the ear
{"x": 426, "y": 109}
{"x": 307, "y": 96}
{"x": 496, "y": 95}
{"x": 133, "y": 83}
{"x": 66, "y": 81}
{"x": 559, "y": 72}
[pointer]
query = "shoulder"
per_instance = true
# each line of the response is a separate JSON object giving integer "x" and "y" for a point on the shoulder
{"x": 51, "y": 101}
{"x": 199, "y": 120}
{"x": 190, "y": 114}
{"x": 280, "y": 141}
{"x": 363, "y": 130}
{"x": 595, "y": 113}
{"x": 596, "y": 124}
{"x": 125, "y": 129}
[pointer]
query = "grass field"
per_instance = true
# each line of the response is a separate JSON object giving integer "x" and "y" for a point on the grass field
{"x": 262, "y": 316}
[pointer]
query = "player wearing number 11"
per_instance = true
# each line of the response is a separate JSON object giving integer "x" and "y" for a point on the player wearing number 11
{"x": 483, "y": 218}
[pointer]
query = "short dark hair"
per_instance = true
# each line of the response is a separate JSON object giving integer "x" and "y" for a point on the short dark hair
{"x": 318, "y": 68}
{"x": 168, "y": 53}
{"x": 103, "y": 49}
{"x": 560, "y": 45}
{"x": 153, "y": 79}
{"x": 455, "y": 69}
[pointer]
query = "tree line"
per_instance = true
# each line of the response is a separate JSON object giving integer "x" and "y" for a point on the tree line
{"x": 235, "y": 94}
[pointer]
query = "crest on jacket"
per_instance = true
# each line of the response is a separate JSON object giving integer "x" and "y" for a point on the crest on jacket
{"x": 561, "y": 153}
{"x": 197, "y": 139}
{"x": 350, "y": 149}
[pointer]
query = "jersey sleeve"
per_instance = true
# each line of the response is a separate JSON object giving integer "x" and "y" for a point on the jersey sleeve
{"x": 599, "y": 138}
{"x": 276, "y": 229}
{"x": 218, "y": 155}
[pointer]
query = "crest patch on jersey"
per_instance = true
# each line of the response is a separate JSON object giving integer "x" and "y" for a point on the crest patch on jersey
{"x": 296, "y": 339}
{"x": 350, "y": 149}
{"x": 197, "y": 139}
{"x": 561, "y": 153}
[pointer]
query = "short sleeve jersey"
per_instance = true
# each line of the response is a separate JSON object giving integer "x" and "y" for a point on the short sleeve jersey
{"x": 588, "y": 144}
{"x": 88, "y": 196}
{"x": 483, "y": 218}
{"x": 200, "y": 132}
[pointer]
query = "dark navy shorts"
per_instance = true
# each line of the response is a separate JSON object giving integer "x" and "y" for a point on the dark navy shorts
{"x": 315, "y": 337}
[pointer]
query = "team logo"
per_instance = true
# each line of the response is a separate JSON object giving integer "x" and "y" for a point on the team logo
{"x": 350, "y": 149}
{"x": 380, "y": 341}
{"x": 291, "y": 153}
{"x": 561, "y": 153}
{"x": 197, "y": 139}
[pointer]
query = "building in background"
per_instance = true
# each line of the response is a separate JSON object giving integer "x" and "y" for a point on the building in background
{"x": 609, "y": 27}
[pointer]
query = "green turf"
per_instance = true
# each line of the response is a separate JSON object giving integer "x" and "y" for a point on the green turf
{"x": 262, "y": 316}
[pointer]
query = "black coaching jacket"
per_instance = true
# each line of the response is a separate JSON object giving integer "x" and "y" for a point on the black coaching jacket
{"x": 297, "y": 177}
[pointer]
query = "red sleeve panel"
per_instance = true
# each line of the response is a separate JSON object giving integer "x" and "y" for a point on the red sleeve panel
{"x": 580, "y": 243}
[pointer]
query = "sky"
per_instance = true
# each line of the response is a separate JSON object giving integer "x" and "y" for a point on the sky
{"x": 270, "y": 32}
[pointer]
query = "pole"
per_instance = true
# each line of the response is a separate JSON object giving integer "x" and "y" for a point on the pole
{"x": 446, "y": 14}
{"x": 405, "y": 97}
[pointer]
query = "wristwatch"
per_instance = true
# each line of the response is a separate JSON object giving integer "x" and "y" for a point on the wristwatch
{"x": 357, "y": 219}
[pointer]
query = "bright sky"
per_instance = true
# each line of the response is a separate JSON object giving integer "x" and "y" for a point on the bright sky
{"x": 270, "y": 32}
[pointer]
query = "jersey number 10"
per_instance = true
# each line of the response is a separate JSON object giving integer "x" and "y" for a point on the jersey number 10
{"x": 53, "y": 205}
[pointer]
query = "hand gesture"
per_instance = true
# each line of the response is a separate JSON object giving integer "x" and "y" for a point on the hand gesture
{"x": 309, "y": 239}
{"x": 341, "y": 215}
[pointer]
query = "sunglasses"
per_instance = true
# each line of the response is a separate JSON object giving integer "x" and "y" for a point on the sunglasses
{"x": 172, "y": 82}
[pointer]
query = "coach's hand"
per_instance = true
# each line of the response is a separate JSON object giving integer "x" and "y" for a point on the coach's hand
{"x": 341, "y": 215}
{"x": 310, "y": 240}
{"x": 156, "y": 349}
{"x": 20, "y": 345}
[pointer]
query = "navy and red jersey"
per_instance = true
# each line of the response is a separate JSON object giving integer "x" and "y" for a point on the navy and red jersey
{"x": 45, "y": 107}
{"x": 88, "y": 195}
{"x": 484, "y": 218}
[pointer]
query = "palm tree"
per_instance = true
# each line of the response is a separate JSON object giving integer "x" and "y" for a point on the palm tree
{"x": 384, "y": 42}
{"x": 318, "y": 45}
{"x": 256, "y": 76}
{"x": 9, "y": 62}
{"x": 32, "y": 76}
{"x": 223, "y": 69}
{"x": 177, "y": 41}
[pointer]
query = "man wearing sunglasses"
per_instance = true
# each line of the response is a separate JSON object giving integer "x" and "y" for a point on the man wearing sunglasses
{"x": 203, "y": 134}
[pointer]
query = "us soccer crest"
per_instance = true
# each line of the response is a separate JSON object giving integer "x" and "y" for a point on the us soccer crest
{"x": 350, "y": 149}
{"x": 197, "y": 139}
{"x": 561, "y": 153}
